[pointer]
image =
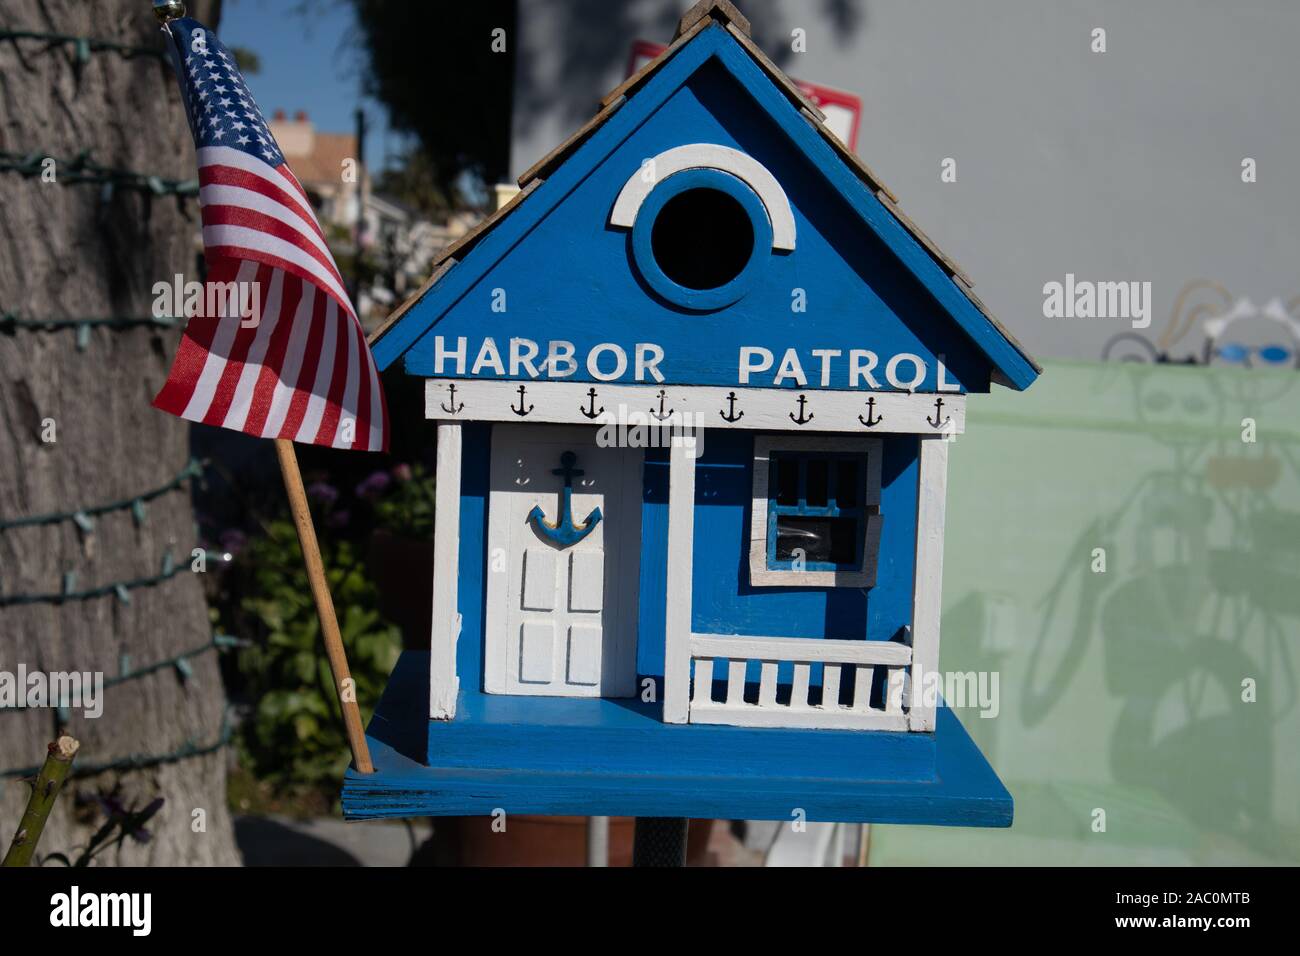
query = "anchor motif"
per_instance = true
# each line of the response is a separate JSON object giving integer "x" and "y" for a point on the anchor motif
{"x": 661, "y": 414}
{"x": 730, "y": 415}
{"x": 593, "y": 413}
{"x": 872, "y": 418}
{"x": 521, "y": 411}
{"x": 451, "y": 395}
{"x": 938, "y": 410}
{"x": 801, "y": 420}
{"x": 564, "y": 532}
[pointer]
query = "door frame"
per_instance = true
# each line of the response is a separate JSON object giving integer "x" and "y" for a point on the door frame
{"x": 621, "y": 539}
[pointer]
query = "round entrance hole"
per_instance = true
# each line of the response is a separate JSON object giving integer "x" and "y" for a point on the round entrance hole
{"x": 702, "y": 238}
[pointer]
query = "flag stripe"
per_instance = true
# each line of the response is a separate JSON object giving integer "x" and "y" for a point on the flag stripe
{"x": 205, "y": 386}
{"x": 269, "y": 376}
{"x": 220, "y": 225}
{"x": 218, "y": 157}
{"x": 248, "y": 196}
{"x": 323, "y": 367}
{"x": 309, "y": 331}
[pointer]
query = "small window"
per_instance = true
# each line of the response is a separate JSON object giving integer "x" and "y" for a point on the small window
{"x": 822, "y": 524}
{"x": 816, "y": 511}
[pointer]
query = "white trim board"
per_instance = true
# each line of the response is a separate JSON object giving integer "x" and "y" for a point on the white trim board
{"x": 681, "y": 564}
{"x": 443, "y": 682}
{"x": 927, "y": 587}
{"x": 707, "y": 156}
{"x": 805, "y": 650}
{"x": 700, "y": 406}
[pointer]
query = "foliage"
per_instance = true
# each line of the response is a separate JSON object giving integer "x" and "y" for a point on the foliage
{"x": 249, "y": 63}
{"x": 414, "y": 180}
{"x": 407, "y": 509}
{"x": 293, "y": 739}
{"x": 294, "y": 735}
{"x": 444, "y": 83}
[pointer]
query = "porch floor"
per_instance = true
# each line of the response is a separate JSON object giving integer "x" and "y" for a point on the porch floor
{"x": 616, "y": 757}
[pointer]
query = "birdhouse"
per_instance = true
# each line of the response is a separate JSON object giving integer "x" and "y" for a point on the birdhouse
{"x": 695, "y": 388}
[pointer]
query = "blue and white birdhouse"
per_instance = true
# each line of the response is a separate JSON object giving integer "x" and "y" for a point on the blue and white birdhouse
{"x": 695, "y": 388}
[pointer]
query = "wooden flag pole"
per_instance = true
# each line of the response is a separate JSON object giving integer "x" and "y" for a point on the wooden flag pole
{"x": 329, "y": 624}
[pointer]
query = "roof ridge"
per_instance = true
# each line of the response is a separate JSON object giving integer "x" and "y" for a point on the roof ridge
{"x": 722, "y": 10}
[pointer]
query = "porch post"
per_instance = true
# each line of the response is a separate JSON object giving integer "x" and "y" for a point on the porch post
{"x": 927, "y": 588}
{"x": 681, "y": 542}
{"x": 443, "y": 683}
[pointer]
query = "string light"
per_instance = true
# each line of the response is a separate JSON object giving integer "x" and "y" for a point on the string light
{"x": 140, "y": 761}
{"x": 180, "y": 663}
{"x": 122, "y": 589}
{"x": 11, "y": 324}
{"x": 83, "y": 169}
{"x": 84, "y": 517}
{"x": 84, "y": 46}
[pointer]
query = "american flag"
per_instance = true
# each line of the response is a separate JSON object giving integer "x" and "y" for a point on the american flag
{"x": 302, "y": 370}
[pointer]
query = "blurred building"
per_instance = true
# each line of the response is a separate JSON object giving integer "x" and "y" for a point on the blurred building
{"x": 397, "y": 241}
{"x": 325, "y": 164}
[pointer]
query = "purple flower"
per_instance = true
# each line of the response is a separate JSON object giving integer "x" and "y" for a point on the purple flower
{"x": 323, "y": 492}
{"x": 374, "y": 485}
{"x": 402, "y": 472}
{"x": 339, "y": 519}
{"x": 233, "y": 541}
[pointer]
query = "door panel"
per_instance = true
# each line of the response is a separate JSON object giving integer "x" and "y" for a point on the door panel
{"x": 584, "y": 655}
{"x": 537, "y": 652}
{"x": 586, "y": 580}
{"x": 540, "y": 584}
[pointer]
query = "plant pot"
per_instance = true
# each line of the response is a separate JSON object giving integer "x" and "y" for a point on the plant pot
{"x": 534, "y": 840}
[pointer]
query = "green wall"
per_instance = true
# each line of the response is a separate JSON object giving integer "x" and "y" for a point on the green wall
{"x": 1123, "y": 690}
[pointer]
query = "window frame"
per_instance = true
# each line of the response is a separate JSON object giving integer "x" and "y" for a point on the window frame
{"x": 762, "y": 527}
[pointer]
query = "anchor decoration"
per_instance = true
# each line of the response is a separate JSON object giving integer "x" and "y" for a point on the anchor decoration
{"x": 938, "y": 410}
{"x": 591, "y": 394}
{"x": 564, "y": 532}
{"x": 872, "y": 418}
{"x": 521, "y": 411}
{"x": 801, "y": 420}
{"x": 730, "y": 414}
{"x": 661, "y": 414}
{"x": 451, "y": 396}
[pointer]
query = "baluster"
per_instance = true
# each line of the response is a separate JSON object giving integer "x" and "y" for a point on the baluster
{"x": 894, "y": 692}
{"x": 767, "y": 685}
{"x": 736, "y": 683}
{"x": 799, "y": 690}
{"x": 831, "y": 687}
{"x": 702, "y": 692}
{"x": 862, "y": 675}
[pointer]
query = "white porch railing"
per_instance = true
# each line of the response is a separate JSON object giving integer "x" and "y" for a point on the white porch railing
{"x": 841, "y": 661}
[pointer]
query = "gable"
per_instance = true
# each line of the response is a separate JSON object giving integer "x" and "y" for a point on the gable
{"x": 855, "y": 298}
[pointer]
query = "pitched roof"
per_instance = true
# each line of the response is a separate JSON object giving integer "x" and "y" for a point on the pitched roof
{"x": 323, "y": 163}
{"x": 695, "y": 21}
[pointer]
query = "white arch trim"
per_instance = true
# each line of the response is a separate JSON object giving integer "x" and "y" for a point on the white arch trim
{"x": 709, "y": 156}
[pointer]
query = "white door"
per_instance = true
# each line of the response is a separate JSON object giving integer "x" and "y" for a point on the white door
{"x": 562, "y": 588}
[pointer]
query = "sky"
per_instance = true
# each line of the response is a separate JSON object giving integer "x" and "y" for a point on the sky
{"x": 308, "y": 62}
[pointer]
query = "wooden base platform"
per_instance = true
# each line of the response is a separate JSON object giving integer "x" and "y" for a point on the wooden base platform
{"x": 617, "y": 758}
